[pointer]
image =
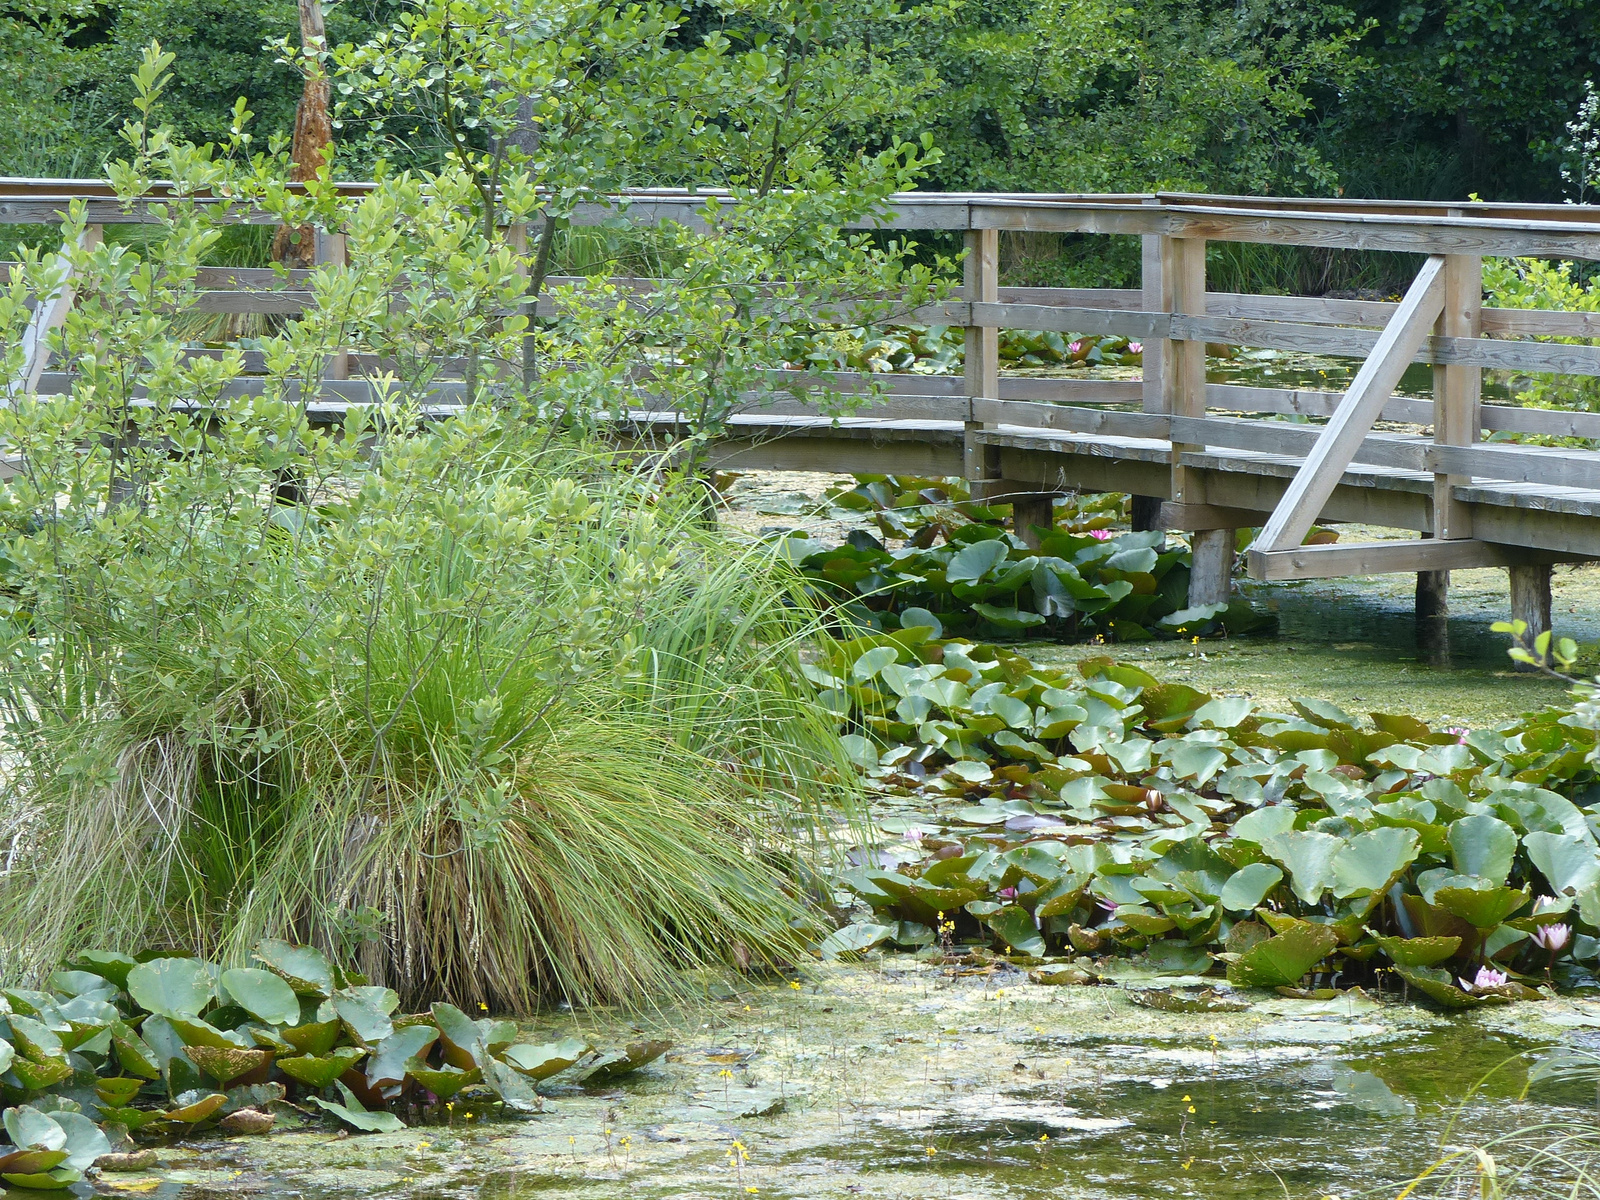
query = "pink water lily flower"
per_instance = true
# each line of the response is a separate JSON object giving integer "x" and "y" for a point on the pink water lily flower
{"x": 1135, "y": 347}
{"x": 1553, "y": 938}
{"x": 1100, "y": 535}
{"x": 1009, "y": 893}
{"x": 1486, "y": 978}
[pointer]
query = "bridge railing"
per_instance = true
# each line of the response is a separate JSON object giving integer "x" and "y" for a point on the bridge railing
{"x": 1172, "y": 410}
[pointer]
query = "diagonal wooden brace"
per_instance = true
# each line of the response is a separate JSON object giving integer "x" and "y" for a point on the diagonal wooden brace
{"x": 1374, "y": 384}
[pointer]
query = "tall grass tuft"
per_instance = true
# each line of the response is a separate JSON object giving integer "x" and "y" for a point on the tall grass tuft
{"x": 498, "y": 717}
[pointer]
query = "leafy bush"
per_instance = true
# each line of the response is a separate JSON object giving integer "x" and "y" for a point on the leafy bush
{"x": 1100, "y": 810}
{"x": 165, "y": 1044}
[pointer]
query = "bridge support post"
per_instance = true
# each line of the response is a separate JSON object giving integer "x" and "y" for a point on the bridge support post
{"x": 981, "y": 277}
{"x": 1155, "y": 296}
{"x": 1032, "y": 510}
{"x": 1210, "y": 566}
{"x": 1530, "y": 601}
{"x": 1433, "y": 617}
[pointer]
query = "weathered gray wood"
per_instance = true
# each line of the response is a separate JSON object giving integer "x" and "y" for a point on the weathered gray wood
{"x": 1530, "y": 602}
{"x": 1211, "y": 566}
{"x": 1379, "y": 558}
{"x": 1136, "y": 325}
{"x": 1184, "y": 385}
{"x": 1207, "y": 516}
{"x": 1371, "y": 388}
{"x": 1070, "y": 419}
{"x": 1457, "y": 389}
{"x": 1032, "y": 512}
{"x": 981, "y": 364}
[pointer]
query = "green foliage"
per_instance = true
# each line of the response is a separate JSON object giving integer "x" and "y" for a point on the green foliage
{"x": 1078, "y": 583}
{"x": 408, "y": 685}
{"x": 1061, "y": 811}
{"x": 1535, "y": 283}
{"x": 70, "y": 1061}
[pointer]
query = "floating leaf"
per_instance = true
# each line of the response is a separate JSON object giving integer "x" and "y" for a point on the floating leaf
{"x": 303, "y": 968}
{"x": 1015, "y": 926}
{"x": 1483, "y": 908}
{"x": 854, "y": 939}
{"x": 262, "y": 994}
{"x": 317, "y": 1037}
{"x": 225, "y": 1064}
{"x": 85, "y": 1141}
{"x": 1419, "y": 952}
{"x": 620, "y": 1062}
{"x": 541, "y": 1062}
{"x": 387, "y": 1064}
{"x": 1369, "y": 862}
{"x": 172, "y": 987}
{"x": 444, "y": 1081}
{"x": 30, "y": 1129}
{"x": 1283, "y": 958}
{"x": 354, "y": 1114}
{"x": 318, "y": 1071}
{"x": 1483, "y": 845}
{"x": 1247, "y": 886}
{"x": 1571, "y": 864}
{"x": 1308, "y": 856}
{"x": 195, "y": 1107}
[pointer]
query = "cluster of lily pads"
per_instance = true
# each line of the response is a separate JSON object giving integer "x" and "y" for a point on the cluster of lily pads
{"x": 924, "y": 510}
{"x": 984, "y": 580}
{"x": 122, "y": 1047}
{"x": 1075, "y": 818}
{"x": 940, "y": 349}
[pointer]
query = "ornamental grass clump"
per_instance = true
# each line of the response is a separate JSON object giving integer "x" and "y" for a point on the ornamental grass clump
{"x": 507, "y": 728}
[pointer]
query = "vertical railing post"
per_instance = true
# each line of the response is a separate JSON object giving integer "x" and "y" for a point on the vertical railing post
{"x": 330, "y": 248}
{"x": 1457, "y": 389}
{"x": 1155, "y": 296}
{"x": 981, "y": 276}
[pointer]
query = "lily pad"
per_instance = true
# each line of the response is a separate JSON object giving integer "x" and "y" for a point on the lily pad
{"x": 387, "y": 1064}
{"x": 443, "y": 1081}
{"x": 314, "y": 1038}
{"x": 318, "y": 1071}
{"x": 303, "y": 968}
{"x": 1283, "y": 958}
{"x": 541, "y": 1062}
{"x": 225, "y": 1064}
{"x": 191, "y": 1108}
{"x": 262, "y": 994}
{"x": 616, "y": 1063}
{"x": 1015, "y": 926}
{"x": 172, "y": 987}
{"x": 354, "y": 1114}
{"x": 1419, "y": 952}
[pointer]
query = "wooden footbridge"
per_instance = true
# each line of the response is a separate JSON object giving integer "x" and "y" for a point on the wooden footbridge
{"x": 1199, "y": 457}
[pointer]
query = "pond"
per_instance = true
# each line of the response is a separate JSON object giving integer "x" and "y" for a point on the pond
{"x": 902, "y": 1078}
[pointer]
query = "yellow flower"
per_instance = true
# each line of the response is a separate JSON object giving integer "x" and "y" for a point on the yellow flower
{"x": 1191, "y": 1108}
{"x": 1186, "y": 1099}
{"x": 1044, "y": 1137}
{"x": 932, "y": 1151}
{"x": 795, "y": 984}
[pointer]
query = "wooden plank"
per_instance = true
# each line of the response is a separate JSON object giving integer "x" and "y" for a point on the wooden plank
{"x": 1108, "y": 422}
{"x": 888, "y": 408}
{"x": 1372, "y": 387}
{"x": 1541, "y": 322}
{"x": 1280, "y": 437}
{"x": 1519, "y": 464}
{"x": 1072, "y": 320}
{"x": 1276, "y": 335}
{"x": 1553, "y": 357}
{"x": 1551, "y": 422}
{"x": 1382, "y": 558}
{"x": 1431, "y": 235}
{"x": 1113, "y": 298}
{"x": 1208, "y": 516}
{"x": 1311, "y": 309}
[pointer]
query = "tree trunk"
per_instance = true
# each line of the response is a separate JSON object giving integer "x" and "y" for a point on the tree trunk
{"x": 313, "y": 139}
